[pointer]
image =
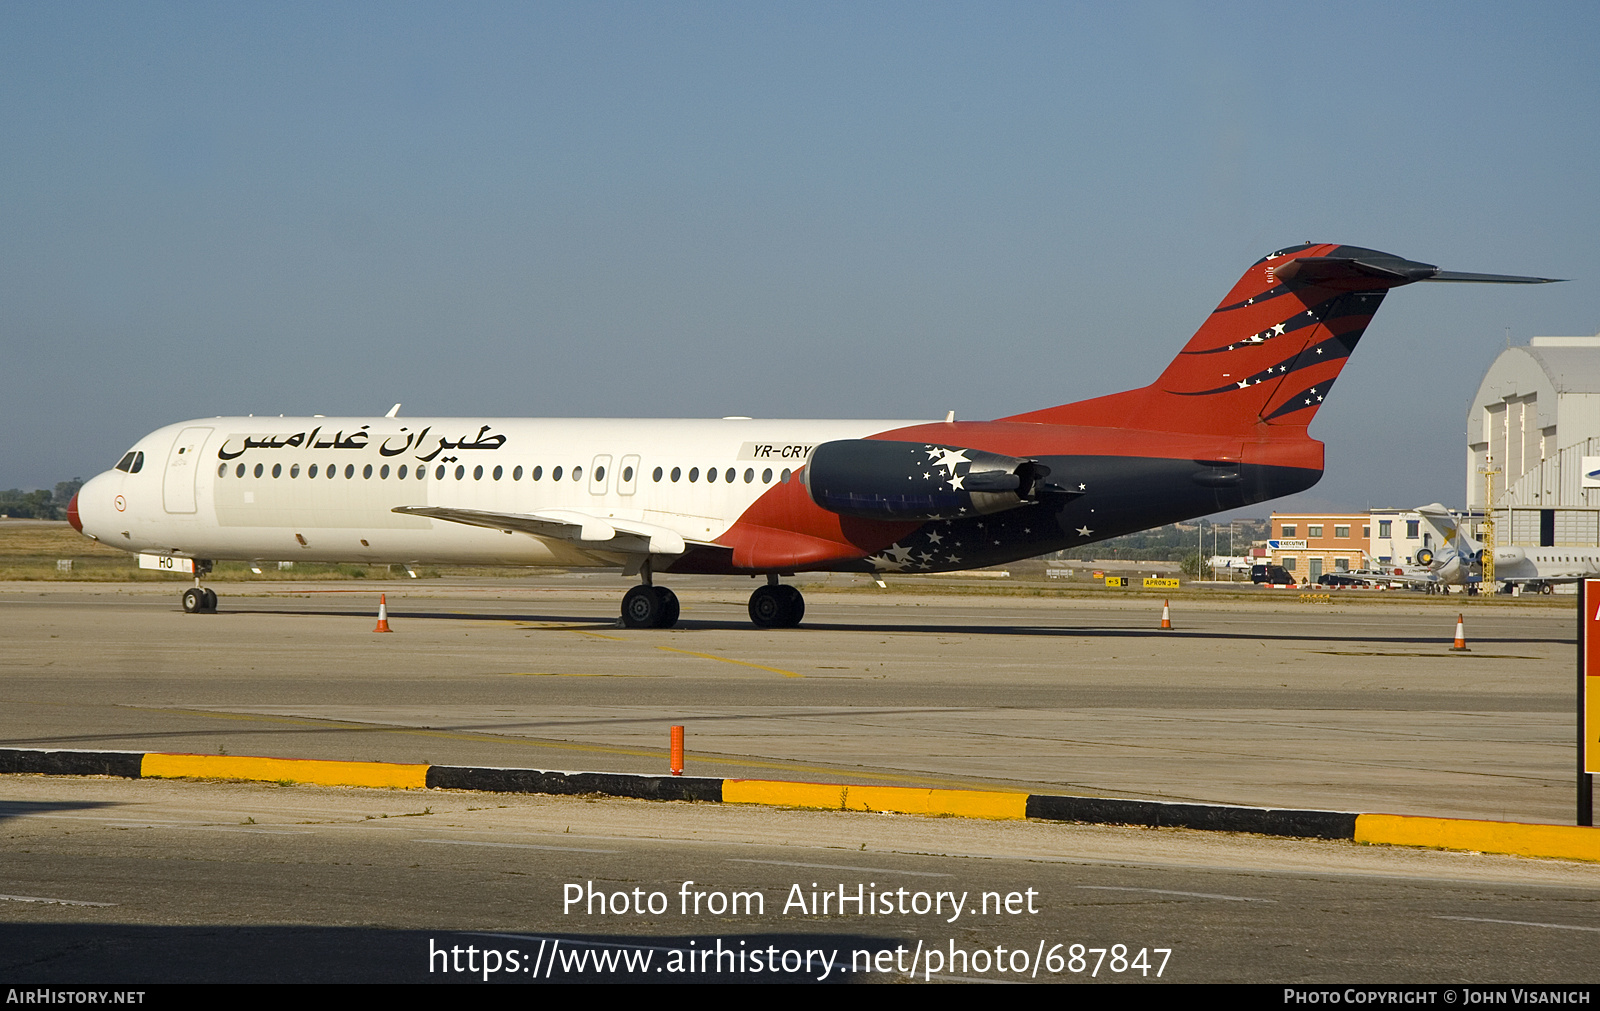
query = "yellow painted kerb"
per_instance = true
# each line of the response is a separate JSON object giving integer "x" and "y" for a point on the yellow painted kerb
{"x": 1566, "y": 842}
{"x": 278, "y": 770}
{"x": 899, "y": 799}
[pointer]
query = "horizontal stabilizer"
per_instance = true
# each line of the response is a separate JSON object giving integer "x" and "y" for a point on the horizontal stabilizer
{"x": 1456, "y": 275}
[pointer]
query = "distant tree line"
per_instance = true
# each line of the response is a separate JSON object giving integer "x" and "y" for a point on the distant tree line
{"x": 1176, "y": 542}
{"x": 39, "y": 504}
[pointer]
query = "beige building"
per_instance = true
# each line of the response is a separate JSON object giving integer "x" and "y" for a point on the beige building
{"x": 1309, "y": 544}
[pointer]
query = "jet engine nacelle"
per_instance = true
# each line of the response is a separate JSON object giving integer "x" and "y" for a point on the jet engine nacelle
{"x": 881, "y": 480}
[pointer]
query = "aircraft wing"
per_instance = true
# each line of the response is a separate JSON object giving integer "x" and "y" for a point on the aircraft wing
{"x": 583, "y": 529}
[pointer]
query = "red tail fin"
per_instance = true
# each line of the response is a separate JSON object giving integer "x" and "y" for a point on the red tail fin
{"x": 1267, "y": 355}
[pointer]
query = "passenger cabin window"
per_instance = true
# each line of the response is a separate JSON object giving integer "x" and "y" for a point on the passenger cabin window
{"x": 477, "y": 473}
{"x": 516, "y": 473}
{"x": 676, "y": 473}
{"x": 555, "y": 475}
{"x": 577, "y": 473}
{"x": 711, "y": 473}
{"x": 383, "y": 472}
{"x": 222, "y": 470}
{"x": 694, "y": 474}
{"x": 656, "y": 475}
{"x": 728, "y": 475}
{"x": 239, "y": 471}
{"x": 258, "y": 470}
{"x": 294, "y": 470}
{"x": 277, "y": 470}
{"x": 498, "y": 471}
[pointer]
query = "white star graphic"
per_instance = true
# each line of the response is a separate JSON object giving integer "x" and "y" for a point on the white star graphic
{"x": 933, "y": 537}
{"x": 1084, "y": 531}
{"x": 1277, "y": 329}
{"x": 949, "y": 460}
{"x": 1083, "y": 487}
{"x": 898, "y": 553}
{"x": 955, "y": 482}
{"x": 1243, "y": 383}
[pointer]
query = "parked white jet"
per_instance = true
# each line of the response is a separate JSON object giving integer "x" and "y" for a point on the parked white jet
{"x": 1458, "y": 561}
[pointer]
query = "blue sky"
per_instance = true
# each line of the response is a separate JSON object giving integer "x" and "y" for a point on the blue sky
{"x": 803, "y": 210}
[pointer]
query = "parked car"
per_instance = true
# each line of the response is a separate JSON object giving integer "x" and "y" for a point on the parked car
{"x": 1271, "y": 574}
{"x": 1341, "y": 579}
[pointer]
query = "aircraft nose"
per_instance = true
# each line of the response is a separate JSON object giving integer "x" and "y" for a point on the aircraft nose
{"x": 72, "y": 514}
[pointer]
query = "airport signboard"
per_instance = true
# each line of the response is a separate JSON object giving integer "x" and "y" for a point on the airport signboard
{"x": 1291, "y": 544}
{"x": 1588, "y": 696}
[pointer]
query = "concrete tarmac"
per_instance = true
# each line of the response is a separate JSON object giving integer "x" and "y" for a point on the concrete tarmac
{"x": 134, "y": 881}
{"x": 1349, "y": 705}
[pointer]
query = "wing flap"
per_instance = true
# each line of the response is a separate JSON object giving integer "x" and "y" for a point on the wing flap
{"x": 581, "y": 528}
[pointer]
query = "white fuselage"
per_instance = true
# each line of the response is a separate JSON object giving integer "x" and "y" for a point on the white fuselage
{"x": 323, "y": 489}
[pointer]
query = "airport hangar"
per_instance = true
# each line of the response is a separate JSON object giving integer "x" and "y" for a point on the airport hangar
{"x": 1535, "y": 421}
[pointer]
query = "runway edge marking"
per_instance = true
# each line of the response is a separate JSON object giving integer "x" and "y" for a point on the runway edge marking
{"x": 1565, "y": 842}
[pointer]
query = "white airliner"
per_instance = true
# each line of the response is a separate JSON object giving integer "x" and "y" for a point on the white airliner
{"x": 1459, "y": 559}
{"x": 1222, "y": 427}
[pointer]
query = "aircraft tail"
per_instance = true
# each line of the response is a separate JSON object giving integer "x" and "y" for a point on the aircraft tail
{"x": 1453, "y": 555}
{"x": 1268, "y": 355}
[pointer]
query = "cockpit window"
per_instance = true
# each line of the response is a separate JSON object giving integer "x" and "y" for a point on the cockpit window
{"x": 132, "y": 463}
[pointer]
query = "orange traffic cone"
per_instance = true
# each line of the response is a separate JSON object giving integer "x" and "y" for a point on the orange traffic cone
{"x": 1461, "y": 636}
{"x": 675, "y": 758}
{"x": 1166, "y": 614}
{"x": 383, "y": 614}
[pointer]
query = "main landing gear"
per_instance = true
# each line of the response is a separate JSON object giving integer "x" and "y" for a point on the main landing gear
{"x": 199, "y": 599}
{"x": 647, "y": 606}
{"x": 776, "y": 605}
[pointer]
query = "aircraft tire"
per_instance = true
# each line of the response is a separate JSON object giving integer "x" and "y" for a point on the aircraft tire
{"x": 795, "y": 604}
{"x": 776, "y": 606}
{"x": 641, "y": 607}
{"x": 210, "y": 605}
{"x": 1547, "y": 588}
{"x": 766, "y": 607}
{"x": 194, "y": 600}
{"x": 669, "y": 607}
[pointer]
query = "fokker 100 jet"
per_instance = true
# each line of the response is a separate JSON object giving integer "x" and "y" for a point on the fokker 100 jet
{"x": 1223, "y": 426}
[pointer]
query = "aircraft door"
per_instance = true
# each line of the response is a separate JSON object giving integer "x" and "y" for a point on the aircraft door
{"x": 183, "y": 469}
{"x": 628, "y": 479}
{"x": 599, "y": 475}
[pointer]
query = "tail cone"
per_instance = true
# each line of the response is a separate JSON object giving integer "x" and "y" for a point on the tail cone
{"x": 383, "y": 614}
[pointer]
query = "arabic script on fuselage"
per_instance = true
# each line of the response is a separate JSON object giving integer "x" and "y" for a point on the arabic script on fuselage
{"x": 419, "y": 444}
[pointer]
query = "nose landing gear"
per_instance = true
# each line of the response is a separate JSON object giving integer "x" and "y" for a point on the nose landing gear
{"x": 199, "y": 599}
